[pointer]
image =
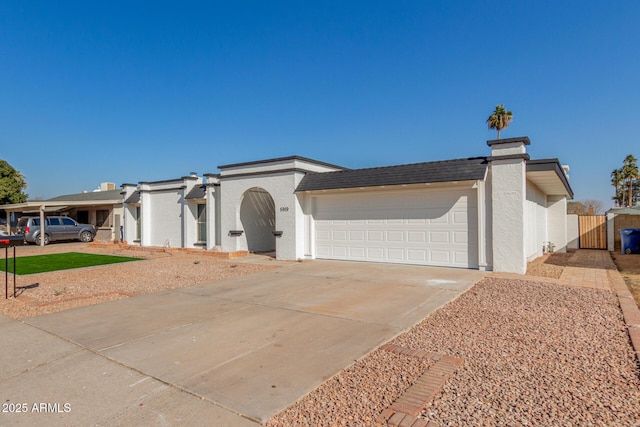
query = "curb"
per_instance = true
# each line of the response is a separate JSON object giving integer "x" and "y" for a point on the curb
{"x": 630, "y": 310}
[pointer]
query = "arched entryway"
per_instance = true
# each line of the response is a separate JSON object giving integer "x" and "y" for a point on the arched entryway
{"x": 258, "y": 218}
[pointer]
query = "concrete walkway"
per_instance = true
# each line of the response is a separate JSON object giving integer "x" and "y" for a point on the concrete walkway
{"x": 229, "y": 353}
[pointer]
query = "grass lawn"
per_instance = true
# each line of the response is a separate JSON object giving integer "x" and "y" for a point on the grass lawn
{"x": 64, "y": 261}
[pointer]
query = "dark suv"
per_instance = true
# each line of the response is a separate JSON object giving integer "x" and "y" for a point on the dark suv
{"x": 56, "y": 228}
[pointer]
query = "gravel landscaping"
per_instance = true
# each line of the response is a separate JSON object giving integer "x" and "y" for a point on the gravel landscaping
{"x": 535, "y": 354}
{"x": 61, "y": 290}
{"x": 549, "y": 265}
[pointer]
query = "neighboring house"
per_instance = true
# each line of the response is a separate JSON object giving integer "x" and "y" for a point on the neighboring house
{"x": 102, "y": 208}
{"x": 617, "y": 219}
{"x": 490, "y": 213}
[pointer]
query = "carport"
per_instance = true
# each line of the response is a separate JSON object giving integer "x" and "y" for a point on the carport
{"x": 110, "y": 201}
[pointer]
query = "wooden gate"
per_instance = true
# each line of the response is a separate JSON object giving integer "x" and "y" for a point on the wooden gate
{"x": 593, "y": 231}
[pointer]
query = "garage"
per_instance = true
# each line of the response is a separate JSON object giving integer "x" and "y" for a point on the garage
{"x": 435, "y": 227}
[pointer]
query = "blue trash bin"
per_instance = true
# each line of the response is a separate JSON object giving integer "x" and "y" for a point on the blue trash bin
{"x": 630, "y": 240}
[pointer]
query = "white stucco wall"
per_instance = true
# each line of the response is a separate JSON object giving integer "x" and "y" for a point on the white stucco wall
{"x": 165, "y": 219}
{"x": 488, "y": 242}
{"x": 508, "y": 194}
{"x": 288, "y": 213}
{"x": 557, "y": 230}
{"x": 535, "y": 221}
{"x": 611, "y": 229}
{"x": 190, "y": 232}
{"x": 573, "y": 232}
{"x": 145, "y": 217}
{"x": 509, "y": 148}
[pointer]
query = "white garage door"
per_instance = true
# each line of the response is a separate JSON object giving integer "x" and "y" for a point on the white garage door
{"x": 413, "y": 227}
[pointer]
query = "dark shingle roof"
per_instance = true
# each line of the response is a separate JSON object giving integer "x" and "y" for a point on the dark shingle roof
{"x": 92, "y": 196}
{"x": 416, "y": 173}
{"x": 197, "y": 192}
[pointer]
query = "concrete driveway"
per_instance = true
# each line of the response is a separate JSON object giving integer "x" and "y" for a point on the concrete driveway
{"x": 229, "y": 353}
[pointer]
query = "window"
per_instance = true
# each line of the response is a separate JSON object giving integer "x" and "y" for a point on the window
{"x": 138, "y": 223}
{"x": 201, "y": 221}
{"x": 54, "y": 221}
{"x": 83, "y": 217}
{"x": 102, "y": 218}
{"x": 68, "y": 221}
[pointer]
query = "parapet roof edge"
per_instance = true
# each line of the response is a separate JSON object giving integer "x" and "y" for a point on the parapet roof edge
{"x": 282, "y": 159}
{"x": 524, "y": 139}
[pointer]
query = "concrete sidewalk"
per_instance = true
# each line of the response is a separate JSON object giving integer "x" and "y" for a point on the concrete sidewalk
{"x": 229, "y": 353}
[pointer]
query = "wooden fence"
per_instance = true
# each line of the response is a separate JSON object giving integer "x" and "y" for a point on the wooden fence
{"x": 593, "y": 231}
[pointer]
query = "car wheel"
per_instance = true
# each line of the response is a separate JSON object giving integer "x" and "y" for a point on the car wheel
{"x": 86, "y": 236}
{"x": 38, "y": 239}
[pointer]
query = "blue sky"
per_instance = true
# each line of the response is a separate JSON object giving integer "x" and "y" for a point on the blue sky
{"x": 141, "y": 91}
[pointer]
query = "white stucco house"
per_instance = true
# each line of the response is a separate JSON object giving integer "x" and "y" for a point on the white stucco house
{"x": 490, "y": 213}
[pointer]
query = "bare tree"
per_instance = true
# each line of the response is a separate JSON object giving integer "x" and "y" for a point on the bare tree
{"x": 585, "y": 207}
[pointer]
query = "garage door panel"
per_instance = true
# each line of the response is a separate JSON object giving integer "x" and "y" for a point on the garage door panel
{"x": 416, "y": 236}
{"x": 417, "y": 255}
{"x": 461, "y": 257}
{"x": 375, "y": 236}
{"x": 460, "y": 237}
{"x": 440, "y": 257}
{"x": 323, "y": 235}
{"x": 439, "y": 237}
{"x": 340, "y": 251}
{"x": 356, "y": 236}
{"x": 339, "y": 236}
{"x": 417, "y": 221}
{"x": 427, "y": 227}
{"x": 395, "y": 254}
{"x": 323, "y": 251}
{"x": 357, "y": 252}
{"x": 460, "y": 217}
{"x": 395, "y": 236}
{"x": 375, "y": 253}
{"x": 442, "y": 219}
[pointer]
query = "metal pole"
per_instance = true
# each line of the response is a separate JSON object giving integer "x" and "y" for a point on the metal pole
{"x": 14, "y": 272}
{"x": 6, "y": 273}
{"x": 43, "y": 231}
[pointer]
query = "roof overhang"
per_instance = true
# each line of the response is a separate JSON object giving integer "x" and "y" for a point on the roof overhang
{"x": 548, "y": 175}
{"x": 57, "y": 205}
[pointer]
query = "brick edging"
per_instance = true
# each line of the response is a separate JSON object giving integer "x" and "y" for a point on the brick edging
{"x": 630, "y": 310}
{"x": 405, "y": 409}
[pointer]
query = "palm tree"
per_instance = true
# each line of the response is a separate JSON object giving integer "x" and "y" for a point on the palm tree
{"x": 630, "y": 173}
{"x": 499, "y": 119}
{"x": 616, "y": 180}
